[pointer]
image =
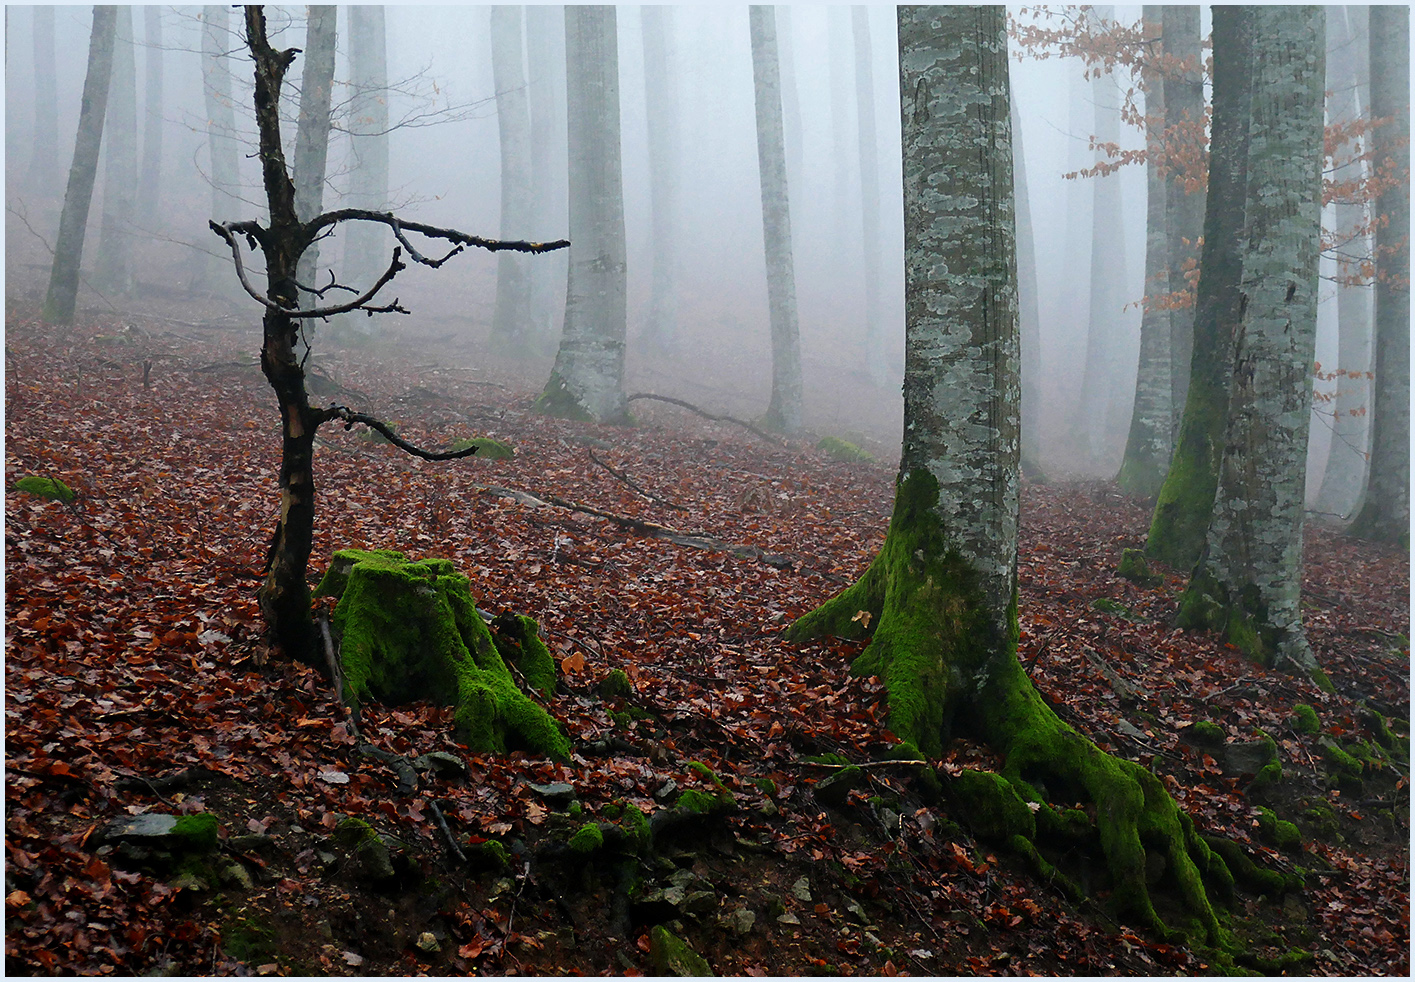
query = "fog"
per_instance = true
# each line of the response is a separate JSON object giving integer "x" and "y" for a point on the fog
{"x": 445, "y": 169}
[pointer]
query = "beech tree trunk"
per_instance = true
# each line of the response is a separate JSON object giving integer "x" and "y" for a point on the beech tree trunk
{"x": 44, "y": 151}
{"x": 222, "y": 148}
{"x": 113, "y": 273}
{"x": 661, "y": 98}
{"x": 366, "y": 244}
{"x": 313, "y": 126}
{"x": 790, "y": 100}
{"x": 587, "y": 380}
{"x": 511, "y": 328}
{"x": 1247, "y": 583}
{"x": 1028, "y": 308}
{"x": 545, "y": 60}
{"x": 784, "y": 412}
{"x": 877, "y": 354}
{"x": 1385, "y": 515}
{"x": 1186, "y": 499}
{"x": 1148, "y": 447}
{"x": 150, "y": 181}
{"x": 939, "y": 602}
{"x": 63, "y": 292}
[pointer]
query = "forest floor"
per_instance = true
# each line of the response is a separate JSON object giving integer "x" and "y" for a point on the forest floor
{"x": 136, "y": 681}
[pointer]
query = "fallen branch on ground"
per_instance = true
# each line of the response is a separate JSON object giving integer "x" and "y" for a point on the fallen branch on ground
{"x": 705, "y": 414}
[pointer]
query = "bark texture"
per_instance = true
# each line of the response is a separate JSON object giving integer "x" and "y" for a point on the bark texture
{"x": 78, "y": 195}
{"x": 587, "y": 380}
{"x": 661, "y": 99}
{"x": 1386, "y": 512}
{"x": 1248, "y": 581}
{"x": 44, "y": 152}
{"x": 784, "y": 412}
{"x": 511, "y": 322}
{"x": 150, "y": 181}
{"x": 1186, "y": 499}
{"x": 113, "y": 272}
{"x": 313, "y": 125}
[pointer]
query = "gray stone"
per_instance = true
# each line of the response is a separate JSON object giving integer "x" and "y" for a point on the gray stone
{"x": 440, "y": 762}
{"x": 233, "y": 874}
{"x": 558, "y": 793}
{"x": 788, "y": 918}
{"x": 700, "y": 903}
{"x": 739, "y": 922}
{"x": 801, "y": 890}
{"x": 146, "y": 826}
{"x": 1247, "y": 758}
{"x": 835, "y": 789}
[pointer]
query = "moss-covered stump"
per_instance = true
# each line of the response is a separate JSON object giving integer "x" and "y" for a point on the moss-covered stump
{"x": 410, "y": 630}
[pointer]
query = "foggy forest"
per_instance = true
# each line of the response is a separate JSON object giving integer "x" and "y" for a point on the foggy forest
{"x": 690, "y": 490}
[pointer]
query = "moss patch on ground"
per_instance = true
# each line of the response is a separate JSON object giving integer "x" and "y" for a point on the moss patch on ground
{"x": 833, "y": 446}
{"x": 46, "y": 487}
{"x": 487, "y": 448}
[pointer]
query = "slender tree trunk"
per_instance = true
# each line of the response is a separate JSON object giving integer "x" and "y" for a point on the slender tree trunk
{"x": 44, "y": 153}
{"x": 545, "y": 59}
{"x": 1348, "y": 80}
{"x": 790, "y": 99}
{"x": 1148, "y": 448}
{"x": 1385, "y": 515}
{"x": 69, "y": 246}
{"x": 587, "y": 381}
{"x": 113, "y": 273}
{"x": 366, "y": 243}
{"x": 661, "y": 96}
{"x": 939, "y": 602}
{"x": 1028, "y": 308}
{"x": 1186, "y": 499}
{"x": 877, "y": 358}
{"x": 312, "y": 128}
{"x": 1072, "y": 317}
{"x": 784, "y": 412}
{"x": 1184, "y": 121}
{"x": 511, "y": 327}
{"x": 222, "y": 149}
{"x": 841, "y": 129}
{"x": 150, "y": 181}
{"x": 1247, "y": 583}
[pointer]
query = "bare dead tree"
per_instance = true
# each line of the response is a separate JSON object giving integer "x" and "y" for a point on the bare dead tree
{"x": 284, "y": 593}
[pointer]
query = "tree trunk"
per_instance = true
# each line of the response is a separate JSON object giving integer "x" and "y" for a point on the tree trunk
{"x": 44, "y": 153}
{"x": 838, "y": 54}
{"x": 545, "y": 59}
{"x": 150, "y": 181}
{"x": 1028, "y": 308}
{"x": 1186, "y": 499}
{"x": 1386, "y": 512}
{"x": 1184, "y": 123}
{"x": 1348, "y": 79}
{"x": 1247, "y": 584}
{"x": 312, "y": 128}
{"x": 661, "y": 98}
{"x": 69, "y": 246}
{"x": 1148, "y": 448}
{"x": 784, "y": 412}
{"x": 941, "y": 597}
{"x": 113, "y": 273}
{"x": 222, "y": 148}
{"x": 790, "y": 99}
{"x": 367, "y": 244}
{"x": 877, "y": 353}
{"x": 511, "y": 327}
{"x": 587, "y": 380}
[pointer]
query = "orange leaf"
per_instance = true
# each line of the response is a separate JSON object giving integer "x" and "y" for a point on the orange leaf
{"x": 572, "y": 664}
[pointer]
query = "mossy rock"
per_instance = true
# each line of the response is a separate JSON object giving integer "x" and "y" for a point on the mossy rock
{"x": 46, "y": 487}
{"x": 1206, "y": 733}
{"x": 587, "y": 838}
{"x": 487, "y": 448}
{"x": 1340, "y": 762}
{"x": 702, "y": 803}
{"x": 1108, "y": 606}
{"x": 671, "y": 955}
{"x": 840, "y": 449}
{"x": 410, "y": 631}
{"x": 1135, "y": 568}
{"x": 834, "y": 789}
{"x": 992, "y": 806}
{"x": 1304, "y": 719}
{"x": 615, "y": 685}
{"x": 1267, "y": 777}
{"x": 490, "y": 856}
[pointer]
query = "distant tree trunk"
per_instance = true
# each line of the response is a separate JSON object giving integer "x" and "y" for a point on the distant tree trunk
{"x": 661, "y": 97}
{"x": 1184, "y": 121}
{"x": 545, "y": 59}
{"x": 222, "y": 149}
{"x": 1071, "y": 307}
{"x": 44, "y": 152}
{"x": 366, "y": 245}
{"x": 784, "y": 412}
{"x": 790, "y": 98}
{"x": 113, "y": 272}
{"x": 511, "y": 327}
{"x": 69, "y": 246}
{"x": 1028, "y": 307}
{"x": 587, "y": 381}
{"x": 1348, "y": 78}
{"x": 876, "y": 353}
{"x": 150, "y": 182}
{"x": 1186, "y": 499}
{"x": 838, "y": 56}
{"x": 1150, "y": 443}
{"x": 312, "y": 128}
{"x": 1247, "y": 583}
{"x": 1385, "y": 515}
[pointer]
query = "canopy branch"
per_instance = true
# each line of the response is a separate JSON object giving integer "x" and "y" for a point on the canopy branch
{"x": 432, "y": 232}
{"x": 350, "y": 418}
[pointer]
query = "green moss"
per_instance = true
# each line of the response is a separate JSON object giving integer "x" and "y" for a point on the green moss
{"x": 248, "y": 940}
{"x": 1044, "y": 870}
{"x": 1304, "y": 719}
{"x": 46, "y": 487}
{"x": 1135, "y": 568}
{"x": 1269, "y": 775}
{"x": 487, "y": 448}
{"x": 197, "y": 833}
{"x": 992, "y": 805}
{"x": 615, "y": 685}
{"x": 1249, "y": 874}
{"x": 671, "y": 955}
{"x": 1186, "y": 499}
{"x": 1321, "y": 819}
{"x": 517, "y": 640}
{"x": 557, "y": 400}
{"x": 411, "y": 630}
{"x": 1267, "y": 822}
{"x": 698, "y": 801}
{"x": 491, "y": 854}
{"x": 351, "y": 833}
{"x": 1286, "y": 837}
{"x": 1109, "y": 606}
{"x": 636, "y": 826}
{"x": 576, "y": 810}
{"x": 706, "y": 773}
{"x": 765, "y": 785}
{"x": 587, "y": 839}
{"x": 837, "y": 760}
{"x": 1207, "y": 732}
{"x": 905, "y": 751}
{"x": 1341, "y": 762}
{"x": 843, "y": 450}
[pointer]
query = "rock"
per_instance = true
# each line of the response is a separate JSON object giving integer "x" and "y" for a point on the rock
{"x": 426, "y": 942}
{"x": 558, "y": 793}
{"x": 835, "y": 789}
{"x": 233, "y": 874}
{"x": 189, "y": 880}
{"x": 175, "y": 833}
{"x": 788, "y": 918}
{"x": 441, "y": 763}
{"x": 251, "y": 843}
{"x": 671, "y": 955}
{"x": 739, "y": 921}
{"x": 663, "y": 793}
{"x": 1248, "y": 758}
{"x": 801, "y": 890}
{"x": 699, "y": 903}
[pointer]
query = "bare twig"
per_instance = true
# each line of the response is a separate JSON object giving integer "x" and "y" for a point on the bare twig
{"x": 451, "y": 840}
{"x": 629, "y": 482}
{"x": 705, "y": 414}
{"x": 350, "y": 418}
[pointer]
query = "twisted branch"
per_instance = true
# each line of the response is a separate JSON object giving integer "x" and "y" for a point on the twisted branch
{"x": 350, "y": 418}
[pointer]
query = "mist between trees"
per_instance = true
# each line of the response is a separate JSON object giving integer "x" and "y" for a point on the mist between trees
{"x": 422, "y": 101}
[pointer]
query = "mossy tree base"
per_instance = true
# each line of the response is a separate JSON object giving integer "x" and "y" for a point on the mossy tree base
{"x": 411, "y": 630}
{"x": 950, "y": 663}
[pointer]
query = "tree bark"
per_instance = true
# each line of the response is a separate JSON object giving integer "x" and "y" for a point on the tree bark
{"x": 511, "y": 327}
{"x": 1148, "y": 447}
{"x": 1184, "y": 124}
{"x": 661, "y": 98}
{"x": 69, "y": 245}
{"x": 784, "y": 412}
{"x": 587, "y": 380}
{"x": 1385, "y": 515}
{"x": 150, "y": 181}
{"x": 877, "y": 359}
{"x": 545, "y": 60}
{"x": 1247, "y": 583}
{"x": 113, "y": 273}
{"x": 366, "y": 244}
{"x": 1028, "y": 308}
{"x": 1186, "y": 500}
{"x": 313, "y": 126}
{"x": 939, "y": 602}
{"x": 44, "y": 152}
